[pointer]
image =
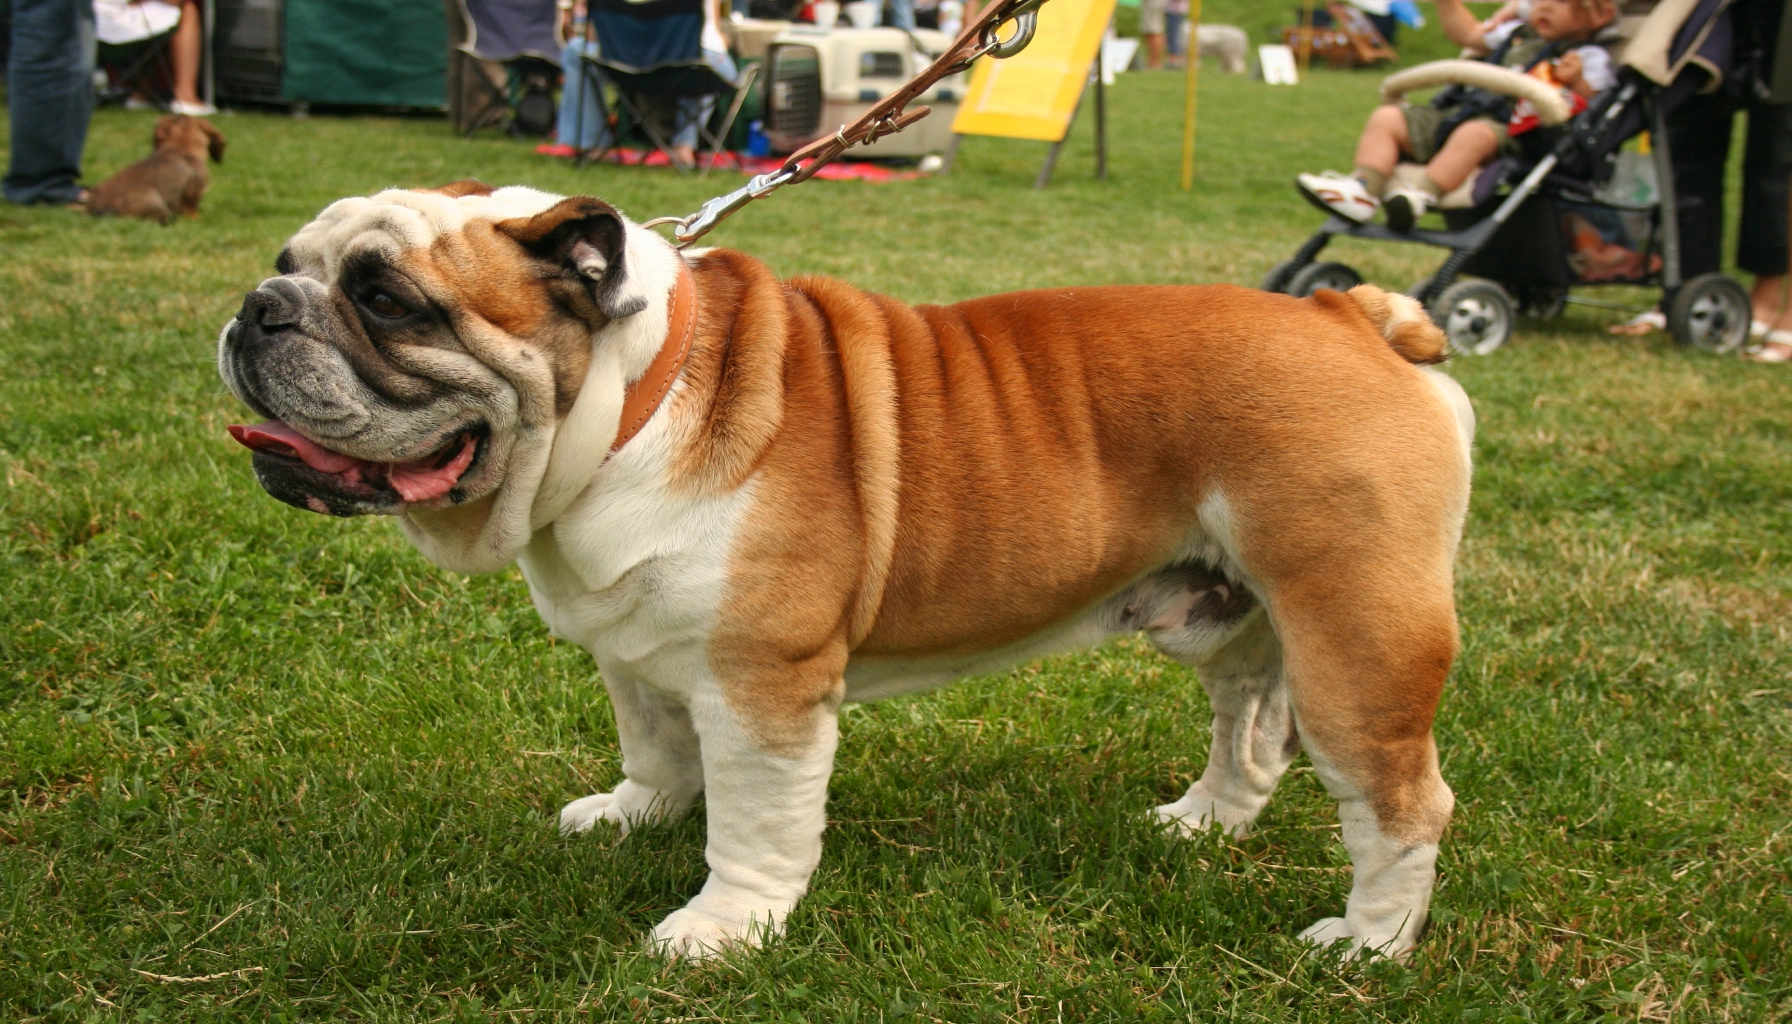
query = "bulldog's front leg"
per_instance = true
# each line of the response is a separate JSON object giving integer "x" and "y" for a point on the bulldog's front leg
{"x": 767, "y": 780}
{"x": 661, "y": 764}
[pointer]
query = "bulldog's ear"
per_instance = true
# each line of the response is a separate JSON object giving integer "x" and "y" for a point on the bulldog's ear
{"x": 586, "y": 237}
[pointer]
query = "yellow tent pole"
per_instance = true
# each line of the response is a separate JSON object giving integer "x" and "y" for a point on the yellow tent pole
{"x": 1307, "y": 34}
{"x": 1191, "y": 60}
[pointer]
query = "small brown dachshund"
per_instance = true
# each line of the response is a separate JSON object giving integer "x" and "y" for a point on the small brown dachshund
{"x": 169, "y": 180}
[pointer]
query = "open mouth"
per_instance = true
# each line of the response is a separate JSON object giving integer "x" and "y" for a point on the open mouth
{"x": 420, "y": 480}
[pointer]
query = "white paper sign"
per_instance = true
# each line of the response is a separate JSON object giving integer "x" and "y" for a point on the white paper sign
{"x": 1116, "y": 55}
{"x": 1277, "y": 62}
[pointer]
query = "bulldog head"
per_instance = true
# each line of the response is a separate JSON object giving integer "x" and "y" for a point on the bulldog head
{"x": 420, "y": 352}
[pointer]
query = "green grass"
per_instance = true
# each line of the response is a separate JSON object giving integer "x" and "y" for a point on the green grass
{"x": 239, "y": 738}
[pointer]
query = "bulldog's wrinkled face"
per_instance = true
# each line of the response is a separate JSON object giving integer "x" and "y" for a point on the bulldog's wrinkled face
{"x": 411, "y": 336}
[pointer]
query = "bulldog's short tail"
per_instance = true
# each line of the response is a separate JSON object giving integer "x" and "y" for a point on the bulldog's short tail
{"x": 1403, "y": 323}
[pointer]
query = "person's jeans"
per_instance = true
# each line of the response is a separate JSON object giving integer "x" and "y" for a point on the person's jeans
{"x": 1173, "y": 32}
{"x": 584, "y": 123}
{"x": 1699, "y": 138}
{"x": 902, "y": 14}
{"x": 49, "y": 86}
{"x": 584, "y": 120}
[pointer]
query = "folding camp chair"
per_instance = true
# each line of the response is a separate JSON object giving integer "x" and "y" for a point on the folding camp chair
{"x": 651, "y": 54}
{"x": 133, "y": 49}
{"x": 524, "y": 37}
{"x": 136, "y": 67}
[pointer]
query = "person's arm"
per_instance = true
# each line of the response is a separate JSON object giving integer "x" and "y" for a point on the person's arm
{"x": 1463, "y": 28}
{"x": 1508, "y": 12}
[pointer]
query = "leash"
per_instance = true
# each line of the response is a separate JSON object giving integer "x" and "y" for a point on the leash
{"x": 980, "y": 37}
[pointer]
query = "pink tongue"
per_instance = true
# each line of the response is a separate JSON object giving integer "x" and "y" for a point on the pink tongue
{"x": 275, "y": 436}
{"x": 414, "y": 481}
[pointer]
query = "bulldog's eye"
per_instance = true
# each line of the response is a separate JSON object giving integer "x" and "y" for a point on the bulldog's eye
{"x": 385, "y": 305}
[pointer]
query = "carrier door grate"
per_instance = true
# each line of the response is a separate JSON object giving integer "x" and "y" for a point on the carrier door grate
{"x": 793, "y": 96}
{"x": 877, "y": 64}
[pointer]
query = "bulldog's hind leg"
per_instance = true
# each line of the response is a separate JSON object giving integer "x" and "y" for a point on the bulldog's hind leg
{"x": 1254, "y": 739}
{"x": 1366, "y": 659}
{"x": 662, "y": 765}
{"x": 766, "y": 805}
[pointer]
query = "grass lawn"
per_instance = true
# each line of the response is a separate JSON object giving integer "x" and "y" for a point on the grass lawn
{"x": 286, "y": 756}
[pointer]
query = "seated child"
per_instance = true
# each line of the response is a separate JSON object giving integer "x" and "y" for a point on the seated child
{"x": 1554, "y": 41}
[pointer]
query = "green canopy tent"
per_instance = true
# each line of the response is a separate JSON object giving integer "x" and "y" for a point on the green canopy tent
{"x": 385, "y": 53}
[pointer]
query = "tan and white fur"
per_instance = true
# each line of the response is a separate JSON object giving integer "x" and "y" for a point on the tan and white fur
{"x": 846, "y": 498}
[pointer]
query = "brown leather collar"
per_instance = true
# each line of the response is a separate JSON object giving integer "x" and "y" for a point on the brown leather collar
{"x": 645, "y": 395}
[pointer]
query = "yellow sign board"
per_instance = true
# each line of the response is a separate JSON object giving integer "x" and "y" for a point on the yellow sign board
{"x": 1032, "y": 94}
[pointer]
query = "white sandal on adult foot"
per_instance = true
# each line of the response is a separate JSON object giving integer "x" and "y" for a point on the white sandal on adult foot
{"x": 1776, "y": 347}
{"x": 1641, "y": 324}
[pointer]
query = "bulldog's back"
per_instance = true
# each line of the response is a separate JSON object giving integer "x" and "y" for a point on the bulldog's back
{"x": 1007, "y": 460}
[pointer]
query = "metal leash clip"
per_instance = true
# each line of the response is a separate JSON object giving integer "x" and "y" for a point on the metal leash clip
{"x": 713, "y": 212}
{"x": 1025, "y": 19}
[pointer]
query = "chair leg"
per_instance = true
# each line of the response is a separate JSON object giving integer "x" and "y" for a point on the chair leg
{"x": 495, "y": 97}
{"x": 663, "y": 145}
{"x": 587, "y": 156}
{"x": 720, "y": 138}
{"x": 660, "y": 143}
{"x": 625, "y": 107}
{"x": 473, "y": 120}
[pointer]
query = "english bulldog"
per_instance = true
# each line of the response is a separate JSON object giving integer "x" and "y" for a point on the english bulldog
{"x": 752, "y": 500}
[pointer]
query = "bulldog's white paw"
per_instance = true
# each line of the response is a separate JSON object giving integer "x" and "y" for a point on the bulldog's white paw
{"x": 1197, "y": 812}
{"x": 628, "y": 805}
{"x": 583, "y": 813}
{"x": 707, "y": 927}
{"x": 1330, "y": 931}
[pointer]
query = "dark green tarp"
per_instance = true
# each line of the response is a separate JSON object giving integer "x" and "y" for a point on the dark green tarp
{"x": 367, "y": 52}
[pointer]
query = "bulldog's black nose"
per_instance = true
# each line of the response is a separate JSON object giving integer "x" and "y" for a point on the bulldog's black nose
{"x": 277, "y": 303}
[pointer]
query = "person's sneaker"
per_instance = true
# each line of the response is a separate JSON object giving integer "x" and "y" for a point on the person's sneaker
{"x": 135, "y": 102}
{"x": 1340, "y": 194}
{"x": 1405, "y": 206}
{"x": 200, "y": 109}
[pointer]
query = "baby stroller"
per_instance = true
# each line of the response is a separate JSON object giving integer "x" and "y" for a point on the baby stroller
{"x": 1528, "y": 228}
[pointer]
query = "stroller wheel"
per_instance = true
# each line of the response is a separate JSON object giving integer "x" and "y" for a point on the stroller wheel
{"x": 1336, "y": 276}
{"x": 1710, "y": 312}
{"x": 1277, "y": 278}
{"x": 1476, "y": 316}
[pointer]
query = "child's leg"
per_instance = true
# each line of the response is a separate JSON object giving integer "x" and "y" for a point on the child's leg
{"x": 1383, "y": 141}
{"x": 1358, "y": 195}
{"x": 1472, "y": 144}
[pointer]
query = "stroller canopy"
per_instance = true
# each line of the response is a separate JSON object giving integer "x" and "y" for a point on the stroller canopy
{"x": 1675, "y": 33}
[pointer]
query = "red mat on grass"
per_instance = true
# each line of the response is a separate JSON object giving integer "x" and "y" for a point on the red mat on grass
{"x": 836, "y": 171}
